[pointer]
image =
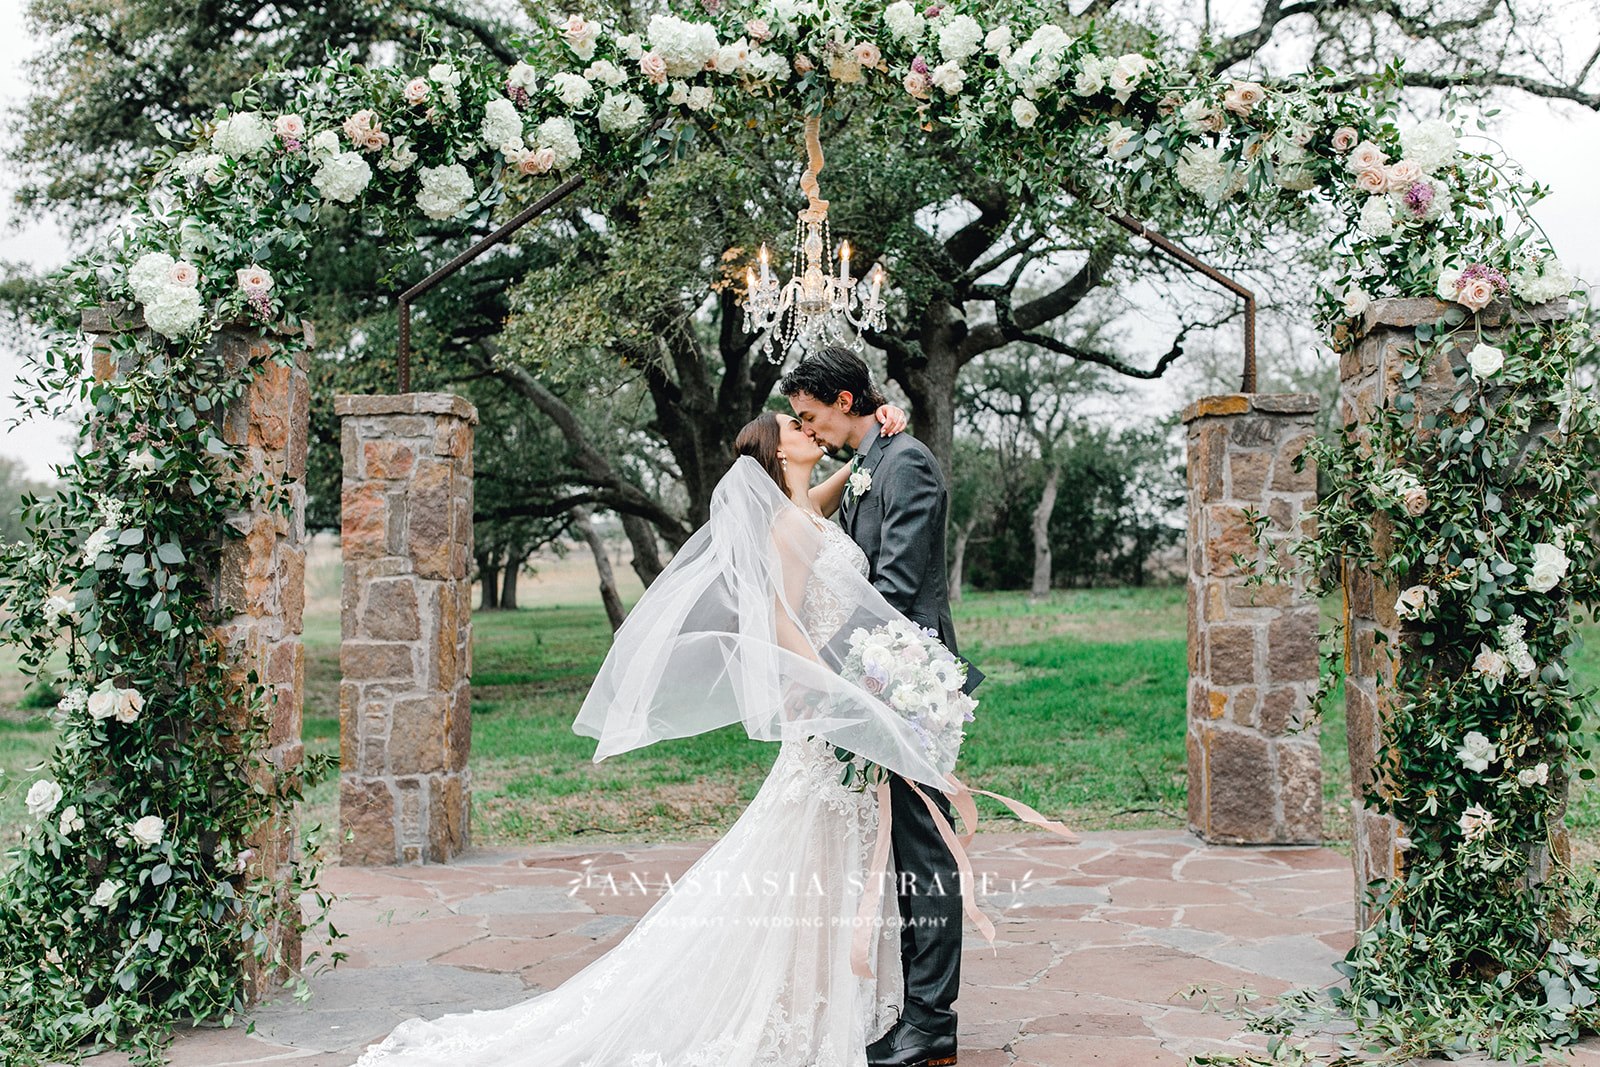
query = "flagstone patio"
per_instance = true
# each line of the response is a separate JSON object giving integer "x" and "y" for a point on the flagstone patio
{"x": 1095, "y": 945}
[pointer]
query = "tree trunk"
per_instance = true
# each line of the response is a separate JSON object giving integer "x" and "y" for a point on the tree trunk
{"x": 602, "y": 563}
{"x": 646, "y": 548}
{"x": 959, "y": 560}
{"x": 489, "y": 578}
{"x": 1041, "y": 536}
{"x": 508, "y": 583}
{"x": 931, "y": 387}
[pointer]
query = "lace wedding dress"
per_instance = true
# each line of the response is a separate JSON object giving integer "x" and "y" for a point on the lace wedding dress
{"x": 745, "y": 960}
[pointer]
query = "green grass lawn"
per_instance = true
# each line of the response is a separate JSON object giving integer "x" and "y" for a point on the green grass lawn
{"x": 1082, "y": 717}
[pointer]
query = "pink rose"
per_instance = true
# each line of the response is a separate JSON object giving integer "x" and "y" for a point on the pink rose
{"x": 254, "y": 281}
{"x": 1403, "y": 173}
{"x": 1365, "y": 156}
{"x": 1242, "y": 97}
{"x": 184, "y": 275}
{"x": 1344, "y": 138}
{"x": 1372, "y": 181}
{"x": 868, "y": 54}
{"x": 362, "y": 129}
{"x": 534, "y": 161}
{"x": 917, "y": 84}
{"x": 290, "y": 127}
{"x": 1477, "y": 293}
{"x": 416, "y": 91}
{"x": 654, "y": 68}
{"x": 1416, "y": 502}
{"x": 758, "y": 30}
{"x": 803, "y": 64}
{"x": 579, "y": 32}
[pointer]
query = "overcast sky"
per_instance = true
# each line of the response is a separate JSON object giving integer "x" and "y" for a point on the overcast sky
{"x": 1559, "y": 144}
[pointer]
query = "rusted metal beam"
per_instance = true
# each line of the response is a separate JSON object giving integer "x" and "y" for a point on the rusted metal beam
{"x": 1193, "y": 262}
{"x": 516, "y": 222}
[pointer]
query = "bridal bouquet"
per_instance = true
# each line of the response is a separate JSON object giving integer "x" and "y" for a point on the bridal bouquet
{"x": 914, "y": 674}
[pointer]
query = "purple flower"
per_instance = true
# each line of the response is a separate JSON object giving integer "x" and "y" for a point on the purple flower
{"x": 518, "y": 97}
{"x": 1418, "y": 197}
{"x": 876, "y": 680}
{"x": 933, "y": 13}
{"x": 919, "y": 65}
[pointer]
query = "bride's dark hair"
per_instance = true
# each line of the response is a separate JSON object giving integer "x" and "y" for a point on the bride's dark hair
{"x": 759, "y": 440}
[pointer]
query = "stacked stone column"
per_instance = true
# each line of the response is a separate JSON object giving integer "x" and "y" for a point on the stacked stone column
{"x": 405, "y": 725}
{"x": 1252, "y": 648}
{"x": 259, "y": 587}
{"x": 1370, "y": 376}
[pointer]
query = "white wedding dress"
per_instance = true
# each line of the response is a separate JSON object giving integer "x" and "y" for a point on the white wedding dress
{"x": 743, "y": 962}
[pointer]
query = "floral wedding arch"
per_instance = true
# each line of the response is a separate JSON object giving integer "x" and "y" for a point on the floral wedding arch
{"x": 126, "y": 908}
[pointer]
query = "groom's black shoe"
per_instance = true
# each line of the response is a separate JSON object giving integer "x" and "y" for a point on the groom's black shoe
{"x": 908, "y": 1046}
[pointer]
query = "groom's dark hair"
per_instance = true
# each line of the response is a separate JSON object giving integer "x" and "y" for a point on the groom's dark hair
{"x": 827, "y": 372}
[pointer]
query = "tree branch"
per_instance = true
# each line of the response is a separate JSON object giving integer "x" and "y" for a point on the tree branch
{"x": 487, "y": 35}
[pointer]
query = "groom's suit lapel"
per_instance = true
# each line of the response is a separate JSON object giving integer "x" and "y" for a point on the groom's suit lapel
{"x": 851, "y": 509}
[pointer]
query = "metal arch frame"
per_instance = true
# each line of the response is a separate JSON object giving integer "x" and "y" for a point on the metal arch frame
{"x": 571, "y": 185}
{"x": 515, "y": 223}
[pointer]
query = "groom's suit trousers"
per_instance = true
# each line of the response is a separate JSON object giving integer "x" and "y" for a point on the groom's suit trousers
{"x": 929, "y": 892}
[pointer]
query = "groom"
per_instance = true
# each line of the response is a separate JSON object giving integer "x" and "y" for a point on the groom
{"x": 895, "y": 509}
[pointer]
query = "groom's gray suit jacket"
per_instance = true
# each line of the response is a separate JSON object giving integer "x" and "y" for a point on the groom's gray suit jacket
{"x": 899, "y": 523}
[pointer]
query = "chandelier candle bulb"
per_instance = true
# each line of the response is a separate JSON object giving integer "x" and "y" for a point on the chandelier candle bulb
{"x": 844, "y": 262}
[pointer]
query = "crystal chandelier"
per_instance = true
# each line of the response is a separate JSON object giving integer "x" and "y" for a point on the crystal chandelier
{"x": 820, "y": 304}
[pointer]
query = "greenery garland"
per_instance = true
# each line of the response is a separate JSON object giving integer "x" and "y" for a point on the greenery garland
{"x": 126, "y": 911}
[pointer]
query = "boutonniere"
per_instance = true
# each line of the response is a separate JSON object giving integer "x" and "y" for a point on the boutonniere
{"x": 860, "y": 481}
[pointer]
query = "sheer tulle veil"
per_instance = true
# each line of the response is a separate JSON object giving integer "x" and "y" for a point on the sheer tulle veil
{"x": 747, "y": 624}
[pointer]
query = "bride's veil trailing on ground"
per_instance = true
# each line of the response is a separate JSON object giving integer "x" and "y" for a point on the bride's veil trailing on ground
{"x": 750, "y": 623}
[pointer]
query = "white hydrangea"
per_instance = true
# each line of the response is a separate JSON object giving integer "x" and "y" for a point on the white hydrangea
{"x": 561, "y": 138}
{"x": 502, "y": 126}
{"x": 572, "y": 89}
{"x": 1430, "y": 145}
{"x": 446, "y": 191}
{"x": 149, "y": 275}
{"x": 1295, "y": 178}
{"x": 174, "y": 312}
{"x": 342, "y": 176}
{"x": 1542, "y": 281}
{"x": 1202, "y": 169}
{"x": 1376, "y": 219}
{"x": 243, "y": 134}
{"x": 960, "y": 38}
{"x": 621, "y": 112}
{"x": 998, "y": 41}
{"x": 903, "y": 21}
{"x": 1037, "y": 61}
{"x": 323, "y": 145}
{"x": 685, "y": 47}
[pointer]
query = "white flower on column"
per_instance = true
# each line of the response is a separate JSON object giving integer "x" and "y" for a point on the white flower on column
{"x": 1411, "y": 603}
{"x": 1491, "y": 666}
{"x": 43, "y": 797}
{"x": 1549, "y": 567}
{"x": 1476, "y": 752}
{"x": 1476, "y": 823}
{"x": 71, "y": 821}
{"x": 1535, "y": 775}
{"x": 148, "y": 831}
{"x": 1485, "y": 361}
{"x": 105, "y": 893}
{"x": 1355, "y": 301}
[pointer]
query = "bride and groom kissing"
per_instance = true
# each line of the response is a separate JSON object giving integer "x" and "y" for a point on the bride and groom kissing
{"x": 762, "y": 618}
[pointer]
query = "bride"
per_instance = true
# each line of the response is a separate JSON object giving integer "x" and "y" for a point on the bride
{"x": 758, "y": 956}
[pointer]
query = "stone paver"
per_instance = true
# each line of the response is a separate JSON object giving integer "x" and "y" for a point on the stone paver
{"x": 1096, "y": 944}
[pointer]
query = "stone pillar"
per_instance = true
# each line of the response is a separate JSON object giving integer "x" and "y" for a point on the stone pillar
{"x": 405, "y": 725}
{"x": 259, "y": 587}
{"x": 1369, "y": 381}
{"x": 1252, "y": 649}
